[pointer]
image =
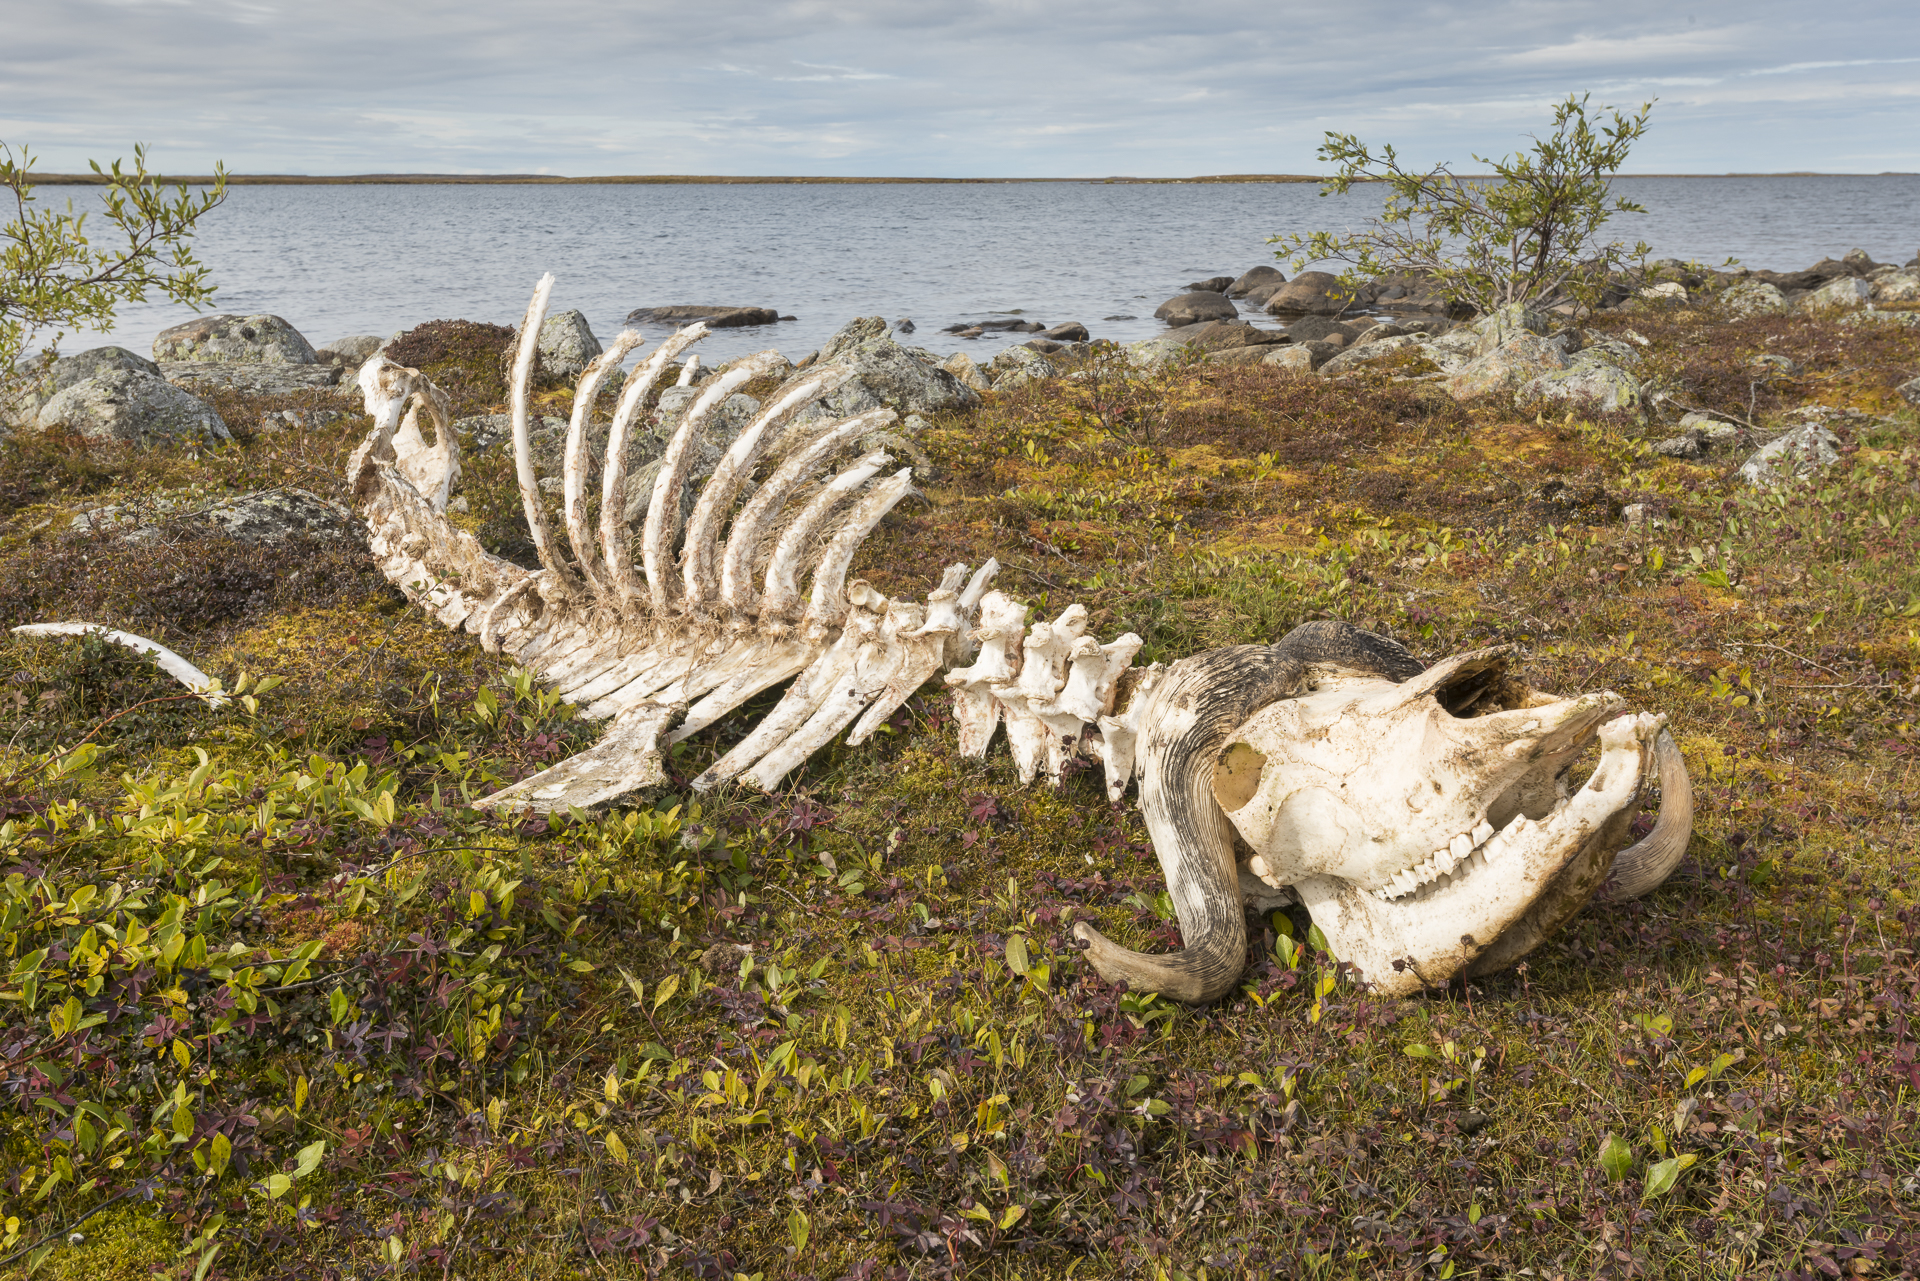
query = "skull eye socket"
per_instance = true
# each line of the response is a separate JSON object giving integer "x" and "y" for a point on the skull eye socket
{"x": 1473, "y": 692}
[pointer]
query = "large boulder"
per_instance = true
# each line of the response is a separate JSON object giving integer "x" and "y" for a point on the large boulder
{"x": 1751, "y": 297}
{"x": 1257, "y": 278}
{"x": 65, "y": 372}
{"x": 1071, "y": 331}
{"x": 1322, "y": 329}
{"x": 1590, "y": 378}
{"x": 258, "y": 339}
{"x": 1897, "y": 286}
{"x": 1315, "y": 292}
{"x": 349, "y": 353}
{"x": 1387, "y": 348}
{"x": 1195, "y": 308}
{"x": 274, "y": 515}
{"x": 1018, "y": 366}
{"x": 1500, "y": 326}
{"x": 1294, "y": 358}
{"x": 1805, "y": 449}
{"x": 132, "y": 407}
{"x": 1227, "y": 335}
{"x": 885, "y": 373}
{"x": 961, "y": 366}
{"x": 1211, "y": 285}
{"x": 567, "y": 344}
{"x": 1847, "y": 291}
{"x": 1514, "y": 364}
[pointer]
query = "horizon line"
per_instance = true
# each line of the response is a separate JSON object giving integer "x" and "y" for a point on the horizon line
{"x": 533, "y": 179}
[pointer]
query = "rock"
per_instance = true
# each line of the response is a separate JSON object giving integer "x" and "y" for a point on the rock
{"x": 259, "y": 339}
{"x": 64, "y": 373}
{"x": 1195, "y": 308}
{"x": 252, "y": 380}
{"x": 1702, "y": 438}
{"x": 483, "y": 431}
{"x": 1847, "y": 291}
{"x": 1072, "y": 331}
{"x": 1751, "y": 297}
{"x": 1018, "y": 366}
{"x": 1240, "y": 355}
{"x": 283, "y": 420}
{"x": 1770, "y": 363}
{"x": 1211, "y": 285}
{"x": 1358, "y": 356}
{"x": 1261, "y": 295}
{"x": 1225, "y": 335}
{"x": 1523, "y": 358}
{"x": 1045, "y": 346}
{"x": 1315, "y": 292}
{"x": 350, "y": 353}
{"x": 1375, "y": 333}
{"x": 1593, "y": 377}
{"x": 274, "y": 515}
{"x": 1897, "y": 286}
{"x": 567, "y": 345}
{"x": 1803, "y": 450}
{"x": 1258, "y": 278}
{"x": 133, "y": 407}
{"x": 1119, "y": 318}
{"x": 1296, "y": 358}
{"x": 961, "y": 366}
{"x": 1321, "y": 329}
{"x": 1499, "y": 326}
{"x": 1158, "y": 353}
{"x": 1665, "y": 289}
{"x": 1909, "y": 391}
{"x": 885, "y": 373}
{"x": 1871, "y": 315}
{"x": 715, "y": 317}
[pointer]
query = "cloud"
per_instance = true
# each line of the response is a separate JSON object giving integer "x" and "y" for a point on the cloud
{"x": 957, "y": 87}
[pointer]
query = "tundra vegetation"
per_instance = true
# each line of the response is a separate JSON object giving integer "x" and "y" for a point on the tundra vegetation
{"x": 280, "y": 1001}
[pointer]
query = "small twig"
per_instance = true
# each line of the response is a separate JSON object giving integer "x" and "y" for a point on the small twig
{"x": 170, "y": 698}
{"x": 1790, "y": 654}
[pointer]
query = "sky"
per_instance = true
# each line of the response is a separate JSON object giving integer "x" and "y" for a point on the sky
{"x": 938, "y": 88}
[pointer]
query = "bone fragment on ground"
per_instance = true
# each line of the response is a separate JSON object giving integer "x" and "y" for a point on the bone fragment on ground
{"x": 196, "y": 681}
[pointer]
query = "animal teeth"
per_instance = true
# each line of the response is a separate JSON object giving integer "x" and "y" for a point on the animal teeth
{"x": 1460, "y": 846}
{"x": 1482, "y": 833}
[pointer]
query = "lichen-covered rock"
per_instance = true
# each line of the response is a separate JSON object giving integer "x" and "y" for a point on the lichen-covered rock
{"x": 349, "y": 353}
{"x": 1522, "y": 359}
{"x": 133, "y": 407}
{"x": 274, "y": 515}
{"x": 64, "y": 373}
{"x": 1018, "y": 366}
{"x": 1157, "y": 353}
{"x": 1591, "y": 377}
{"x": 1700, "y": 437}
{"x": 1382, "y": 349}
{"x": 1316, "y": 292}
{"x": 261, "y": 339}
{"x": 1295, "y": 358}
{"x": 1871, "y": 315}
{"x": 567, "y": 345}
{"x": 483, "y": 431}
{"x": 1909, "y": 391}
{"x": 885, "y": 373}
{"x": 251, "y": 379}
{"x": 1751, "y": 298}
{"x": 1897, "y": 286}
{"x": 1805, "y": 449}
{"x": 961, "y": 366}
{"x": 1498, "y": 327}
{"x": 1848, "y": 291}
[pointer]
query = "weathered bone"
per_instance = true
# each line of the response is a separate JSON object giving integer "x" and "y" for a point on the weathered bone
{"x": 169, "y": 662}
{"x": 1422, "y": 817}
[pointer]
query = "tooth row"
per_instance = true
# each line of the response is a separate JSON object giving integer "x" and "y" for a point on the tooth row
{"x": 1473, "y": 849}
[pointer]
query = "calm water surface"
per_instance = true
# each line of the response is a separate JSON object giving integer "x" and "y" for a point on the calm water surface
{"x": 377, "y": 259}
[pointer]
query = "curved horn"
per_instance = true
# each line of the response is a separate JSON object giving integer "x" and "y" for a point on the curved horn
{"x": 1329, "y": 642}
{"x": 1191, "y": 714}
{"x": 1643, "y": 866}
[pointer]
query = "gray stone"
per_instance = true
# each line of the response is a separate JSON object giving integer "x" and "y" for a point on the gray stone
{"x": 483, "y": 431}
{"x": 260, "y": 339}
{"x": 274, "y": 515}
{"x": 1497, "y": 327}
{"x": 1374, "y": 333}
{"x": 350, "y": 352}
{"x": 961, "y": 366}
{"x": 1018, "y": 366}
{"x": 252, "y": 379}
{"x": 1847, "y": 291}
{"x": 1211, "y": 285}
{"x": 1262, "y": 277}
{"x": 1227, "y": 335}
{"x": 714, "y": 317}
{"x": 1072, "y": 331}
{"x": 1899, "y": 285}
{"x": 1804, "y": 450}
{"x": 1315, "y": 292}
{"x": 1195, "y": 308}
{"x": 1909, "y": 391}
{"x": 1158, "y": 353}
{"x": 1360, "y": 356}
{"x": 1871, "y": 315}
{"x": 1771, "y": 363}
{"x": 284, "y": 420}
{"x": 885, "y": 373}
{"x": 1297, "y": 358}
{"x": 133, "y": 407}
{"x": 1321, "y": 329}
{"x": 48, "y": 380}
{"x": 1701, "y": 437}
{"x": 567, "y": 344}
{"x": 1751, "y": 297}
{"x": 1519, "y": 361}
{"x": 1593, "y": 378}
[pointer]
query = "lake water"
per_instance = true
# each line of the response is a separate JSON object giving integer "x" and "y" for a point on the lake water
{"x": 338, "y": 260}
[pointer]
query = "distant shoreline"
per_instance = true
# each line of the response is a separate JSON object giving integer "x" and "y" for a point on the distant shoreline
{"x": 555, "y": 180}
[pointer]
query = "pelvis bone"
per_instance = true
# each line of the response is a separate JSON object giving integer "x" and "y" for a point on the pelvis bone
{"x": 1423, "y": 817}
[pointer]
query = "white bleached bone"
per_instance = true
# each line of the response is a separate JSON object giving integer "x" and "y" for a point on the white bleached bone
{"x": 169, "y": 662}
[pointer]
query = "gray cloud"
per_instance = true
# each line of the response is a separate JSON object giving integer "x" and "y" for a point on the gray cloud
{"x": 995, "y": 88}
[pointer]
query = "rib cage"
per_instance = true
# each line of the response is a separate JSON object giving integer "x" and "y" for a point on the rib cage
{"x": 676, "y": 646}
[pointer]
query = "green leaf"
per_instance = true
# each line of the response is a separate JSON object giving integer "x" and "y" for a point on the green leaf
{"x": 1616, "y": 1158}
{"x": 1419, "y": 1052}
{"x": 309, "y": 1158}
{"x": 664, "y": 992}
{"x": 1017, "y": 959}
{"x": 221, "y": 1152}
{"x": 1662, "y": 1177}
{"x": 1318, "y": 941}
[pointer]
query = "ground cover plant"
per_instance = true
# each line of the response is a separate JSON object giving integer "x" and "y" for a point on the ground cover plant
{"x": 279, "y": 1001}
